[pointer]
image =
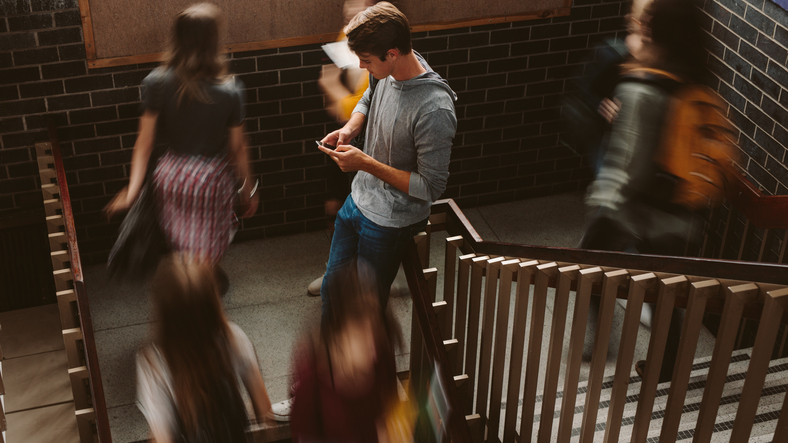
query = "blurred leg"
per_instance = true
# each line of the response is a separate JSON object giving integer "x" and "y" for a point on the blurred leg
{"x": 344, "y": 248}
{"x": 672, "y": 347}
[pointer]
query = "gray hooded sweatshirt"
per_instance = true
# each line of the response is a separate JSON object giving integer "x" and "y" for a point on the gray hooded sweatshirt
{"x": 410, "y": 127}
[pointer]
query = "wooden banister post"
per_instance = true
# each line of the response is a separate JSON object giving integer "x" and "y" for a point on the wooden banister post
{"x": 478, "y": 265}
{"x": 626, "y": 351}
{"x": 566, "y": 276}
{"x": 586, "y": 280}
{"x": 543, "y": 275}
{"x": 508, "y": 270}
{"x": 696, "y": 306}
{"x": 735, "y": 299}
{"x": 668, "y": 289}
{"x": 774, "y": 307}
{"x": 525, "y": 272}
{"x": 487, "y": 332}
{"x": 450, "y": 270}
{"x": 461, "y": 316}
{"x": 610, "y": 285}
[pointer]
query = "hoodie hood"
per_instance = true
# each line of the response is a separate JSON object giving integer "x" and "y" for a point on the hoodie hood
{"x": 429, "y": 78}
{"x": 410, "y": 126}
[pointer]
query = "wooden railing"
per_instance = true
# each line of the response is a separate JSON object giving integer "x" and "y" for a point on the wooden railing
{"x": 483, "y": 279}
{"x": 429, "y": 353}
{"x": 2, "y": 409}
{"x": 748, "y": 226}
{"x": 88, "y": 392}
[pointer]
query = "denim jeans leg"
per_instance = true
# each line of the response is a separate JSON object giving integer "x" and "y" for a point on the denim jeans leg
{"x": 344, "y": 248}
{"x": 382, "y": 249}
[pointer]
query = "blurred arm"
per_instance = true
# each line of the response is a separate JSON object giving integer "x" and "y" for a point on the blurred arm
{"x": 246, "y": 360}
{"x": 141, "y": 154}
{"x": 240, "y": 155}
{"x": 139, "y": 165}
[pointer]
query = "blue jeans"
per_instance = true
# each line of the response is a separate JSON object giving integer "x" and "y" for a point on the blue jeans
{"x": 378, "y": 247}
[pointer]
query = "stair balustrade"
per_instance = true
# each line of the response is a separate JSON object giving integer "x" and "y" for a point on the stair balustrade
{"x": 83, "y": 365}
{"x": 492, "y": 288}
{"x": 2, "y": 405}
{"x": 747, "y": 226}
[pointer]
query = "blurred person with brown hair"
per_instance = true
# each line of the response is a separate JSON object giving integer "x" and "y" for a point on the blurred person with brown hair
{"x": 343, "y": 88}
{"x": 631, "y": 199}
{"x": 197, "y": 110}
{"x": 188, "y": 379}
{"x": 345, "y": 371}
{"x": 636, "y": 203}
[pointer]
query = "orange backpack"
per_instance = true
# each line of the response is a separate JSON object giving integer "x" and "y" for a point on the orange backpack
{"x": 697, "y": 145}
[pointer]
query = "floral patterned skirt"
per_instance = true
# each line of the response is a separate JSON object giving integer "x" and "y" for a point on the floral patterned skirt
{"x": 195, "y": 198}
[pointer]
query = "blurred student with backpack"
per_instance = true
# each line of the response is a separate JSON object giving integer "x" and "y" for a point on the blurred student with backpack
{"x": 664, "y": 159}
{"x": 189, "y": 378}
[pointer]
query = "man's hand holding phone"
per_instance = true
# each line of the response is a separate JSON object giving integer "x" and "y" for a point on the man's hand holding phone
{"x": 325, "y": 145}
{"x": 348, "y": 157}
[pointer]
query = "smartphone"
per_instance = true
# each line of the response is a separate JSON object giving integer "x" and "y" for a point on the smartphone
{"x": 325, "y": 145}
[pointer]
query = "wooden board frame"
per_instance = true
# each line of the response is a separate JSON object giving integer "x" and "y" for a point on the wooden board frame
{"x": 94, "y": 62}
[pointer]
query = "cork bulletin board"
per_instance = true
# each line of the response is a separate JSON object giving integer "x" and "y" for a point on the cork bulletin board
{"x": 123, "y": 32}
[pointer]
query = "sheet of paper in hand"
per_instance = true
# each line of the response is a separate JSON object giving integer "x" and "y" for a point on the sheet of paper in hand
{"x": 340, "y": 54}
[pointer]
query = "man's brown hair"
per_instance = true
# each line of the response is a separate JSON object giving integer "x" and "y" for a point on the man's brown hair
{"x": 377, "y": 29}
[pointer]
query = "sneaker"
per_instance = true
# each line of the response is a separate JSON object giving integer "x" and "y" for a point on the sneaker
{"x": 640, "y": 368}
{"x": 281, "y": 411}
{"x": 314, "y": 288}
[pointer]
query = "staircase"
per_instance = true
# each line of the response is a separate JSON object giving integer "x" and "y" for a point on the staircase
{"x": 509, "y": 328}
{"x": 765, "y": 419}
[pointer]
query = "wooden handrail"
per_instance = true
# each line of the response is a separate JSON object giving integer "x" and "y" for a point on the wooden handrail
{"x": 433, "y": 343}
{"x": 763, "y": 211}
{"x": 698, "y": 285}
{"x": 86, "y": 323}
{"x": 457, "y": 224}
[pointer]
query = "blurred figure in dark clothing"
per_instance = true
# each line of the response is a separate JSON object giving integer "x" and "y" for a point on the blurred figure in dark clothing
{"x": 197, "y": 110}
{"x": 589, "y": 111}
{"x": 630, "y": 205}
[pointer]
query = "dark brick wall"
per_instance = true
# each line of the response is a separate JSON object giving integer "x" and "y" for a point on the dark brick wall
{"x": 749, "y": 56}
{"x": 509, "y": 77}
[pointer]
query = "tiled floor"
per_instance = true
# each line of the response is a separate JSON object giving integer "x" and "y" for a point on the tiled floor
{"x": 35, "y": 377}
{"x": 268, "y": 300}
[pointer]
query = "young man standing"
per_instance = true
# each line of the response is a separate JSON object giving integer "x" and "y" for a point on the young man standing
{"x": 410, "y": 123}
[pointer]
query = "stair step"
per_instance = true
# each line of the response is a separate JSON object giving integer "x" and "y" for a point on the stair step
{"x": 43, "y": 425}
{"x": 271, "y": 434}
{"x": 30, "y": 331}
{"x": 36, "y": 380}
{"x": 768, "y": 409}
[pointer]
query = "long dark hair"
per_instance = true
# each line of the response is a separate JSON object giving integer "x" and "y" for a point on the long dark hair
{"x": 194, "y": 54}
{"x": 194, "y": 338}
{"x": 675, "y": 28}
